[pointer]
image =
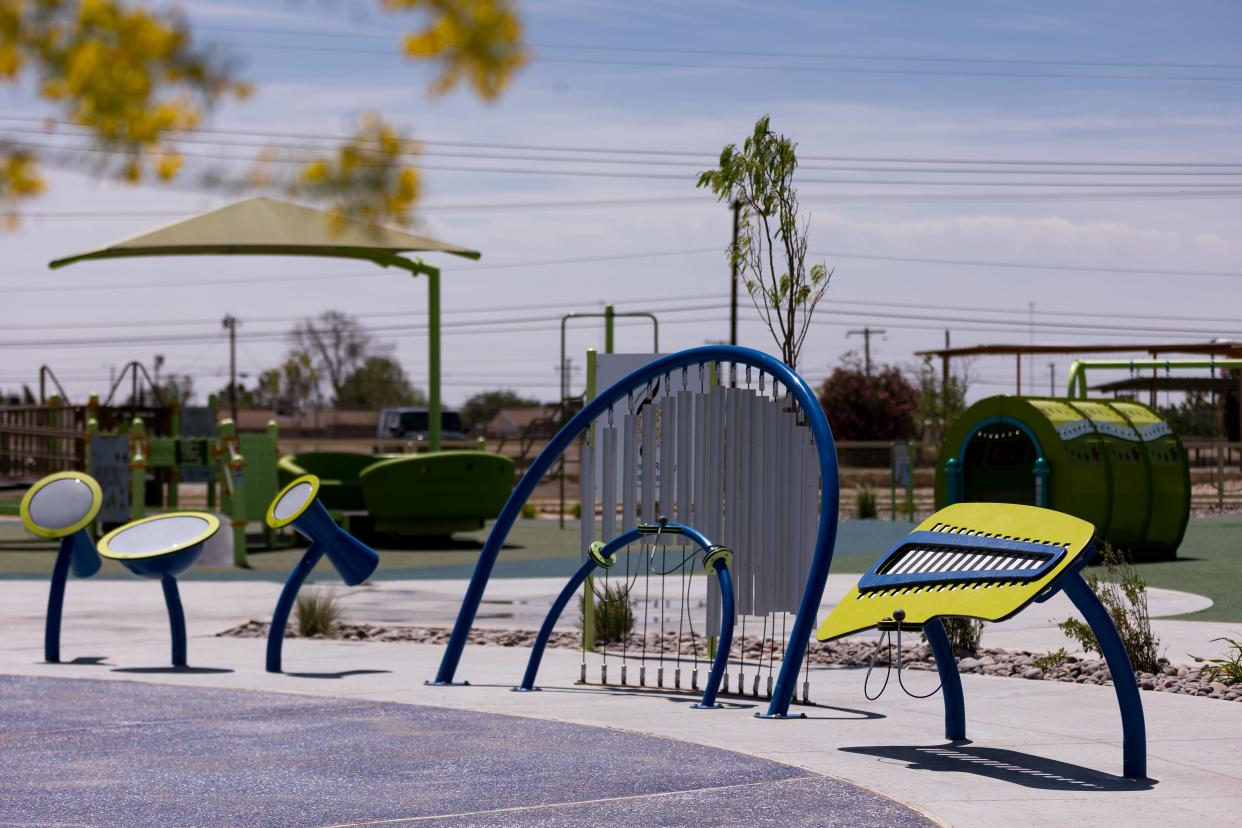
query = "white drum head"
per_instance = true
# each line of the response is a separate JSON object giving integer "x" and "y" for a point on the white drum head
{"x": 160, "y": 535}
{"x": 294, "y": 500}
{"x": 61, "y": 504}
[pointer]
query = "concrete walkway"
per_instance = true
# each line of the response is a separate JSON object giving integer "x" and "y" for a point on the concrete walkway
{"x": 1043, "y": 752}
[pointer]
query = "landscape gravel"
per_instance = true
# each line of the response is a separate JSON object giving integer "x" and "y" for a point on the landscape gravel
{"x": 849, "y": 652}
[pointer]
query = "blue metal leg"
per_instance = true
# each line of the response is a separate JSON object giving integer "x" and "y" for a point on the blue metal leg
{"x": 545, "y": 632}
{"x": 284, "y": 606}
{"x": 176, "y": 619}
{"x": 724, "y": 641}
{"x": 56, "y": 602}
{"x": 1133, "y": 727}
{"x": 950, "y": 681}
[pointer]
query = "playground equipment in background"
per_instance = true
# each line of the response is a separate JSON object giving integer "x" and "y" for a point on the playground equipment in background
{"x": 239, "y": 470}
{"x": 63, "y": 506}
{"x": 729, "y": 452}
{"x": 161, "y": 548}
{"x": 716, "y": 559}
{"x": 987, "y": 561}
{"x": 298, "y": 505}
{"x": 407, "y": 494}
{"x": 1113, "y": 463}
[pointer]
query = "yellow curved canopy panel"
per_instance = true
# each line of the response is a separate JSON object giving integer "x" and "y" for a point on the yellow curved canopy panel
{"x": 973, "y": 560}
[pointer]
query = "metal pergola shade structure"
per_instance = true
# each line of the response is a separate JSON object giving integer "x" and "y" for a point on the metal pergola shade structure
{"x": 270, "y": 227}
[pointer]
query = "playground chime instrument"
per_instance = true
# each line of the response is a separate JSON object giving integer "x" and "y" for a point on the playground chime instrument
{"x": 298, "y": 505}
{"x": 730, "y": 456}
{"x": 161, "y": 548}
{"x": 62, "y": 506}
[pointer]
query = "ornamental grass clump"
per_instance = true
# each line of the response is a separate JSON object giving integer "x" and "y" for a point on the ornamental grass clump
{"x": 1123, "y": 592}
{"x": 317, "y": 612}
{"x": 1227, "y": 670}
{"x": 864, "y": 502}
{"x": 614, "y": 619}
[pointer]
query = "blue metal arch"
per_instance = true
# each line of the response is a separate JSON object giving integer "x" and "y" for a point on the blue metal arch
{"x": 825, "y": 539}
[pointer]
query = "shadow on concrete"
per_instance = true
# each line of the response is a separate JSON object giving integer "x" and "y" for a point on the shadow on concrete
{"x": 88, "y": 661}
{"x": 1005, "y": 766}
{"x": 171, "y": 670}
{"x": 340, "y": 674}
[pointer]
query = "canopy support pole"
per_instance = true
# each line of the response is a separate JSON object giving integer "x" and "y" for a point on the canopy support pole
{"x": 417, "y": 267}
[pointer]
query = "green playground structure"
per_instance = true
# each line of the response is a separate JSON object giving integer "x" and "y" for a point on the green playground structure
{"x": 410, "y": 495}
{"x": 1114, "y": 463}
{"x": 137, "y": 470}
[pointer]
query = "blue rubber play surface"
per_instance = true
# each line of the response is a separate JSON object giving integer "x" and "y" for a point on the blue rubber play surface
{"x": 125, "y": 753}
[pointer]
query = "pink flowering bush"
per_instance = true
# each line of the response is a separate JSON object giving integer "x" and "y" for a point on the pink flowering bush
{"x": 881, "y": 406}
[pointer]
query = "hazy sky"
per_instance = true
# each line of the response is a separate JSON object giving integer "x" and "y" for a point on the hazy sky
{"x": 896, "y": 107}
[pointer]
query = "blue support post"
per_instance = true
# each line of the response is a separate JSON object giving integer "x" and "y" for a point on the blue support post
{"x": 554, "y": 614}
{"x": 176, "y": 619}
{"x": 724, "y": 642}
{"x": 78, "y": 551}
{"x": 1133, "y": 727}
{"x": 284, "y": 606}
{"x": 56, "y": 602}
{"x": 950, "y": 681}
{"x": 825, "y": 537}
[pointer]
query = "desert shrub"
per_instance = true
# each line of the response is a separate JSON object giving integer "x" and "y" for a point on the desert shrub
{"x": 576, "y": 509}
{"x": 864, "y": 502}
{"x": 1048, "y": 661}
{"x": 964, "y": 635}
{"x": 614, "y": 619}
{"x": 1123, "y": 592}
{"x": 529, "y": 511}
{"x": 1227, "y": 669}
{"x": 317, "y": 612}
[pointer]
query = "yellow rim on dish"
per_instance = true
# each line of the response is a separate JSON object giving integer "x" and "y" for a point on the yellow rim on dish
{"x": 43, "y": 532}
{"x": 105, "y": 543}
{"x": 277, "y": 523}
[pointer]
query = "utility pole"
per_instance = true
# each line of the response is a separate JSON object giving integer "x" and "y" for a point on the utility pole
{"x": 159, "y": 363}
{"x": 866, "y": 334}
{"x": 1052, "y": 379}
{"x": 230, "y": 324}
{"x": 737, "y": 211}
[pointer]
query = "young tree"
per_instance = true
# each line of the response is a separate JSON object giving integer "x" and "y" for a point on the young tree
{"x": 483, "y": 406}
{"x": 133, "y": 81}
{"x": 378, "y": 383}
{"x": 291, "y": 388}
{"x": 771, "y": 246}
{"x": 879, "y": 406}
{"x": 939, "y": 402}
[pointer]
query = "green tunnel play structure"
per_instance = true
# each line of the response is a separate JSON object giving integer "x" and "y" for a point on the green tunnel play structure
{"x": 407, "y": 494}
{"x": 1114, "y": 463}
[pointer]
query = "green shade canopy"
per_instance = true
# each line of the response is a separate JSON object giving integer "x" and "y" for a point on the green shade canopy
{"x": 266, "y": 226}
{"x": 269, "y": 227}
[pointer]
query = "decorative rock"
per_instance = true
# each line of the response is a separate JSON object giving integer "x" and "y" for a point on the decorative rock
{"x": 1032, "y": 673}
{"x": 1147, "y": 684}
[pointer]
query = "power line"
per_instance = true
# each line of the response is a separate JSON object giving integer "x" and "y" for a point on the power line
{"x": 541, "y": 156}
{"x": 1157, "y": 187}
{"x": 707, "y": 154}
{"x": 681, "y": 50}
{"x": 756, "y": 67}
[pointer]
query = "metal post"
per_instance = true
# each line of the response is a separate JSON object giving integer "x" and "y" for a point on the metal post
{"x": 56, "y": 602}
{"x": 284, "y": 605}
{"x": 230, "y": 324}
{"x": 1018, "y": 359}
{"x": 545, "y": 632}
{"x": 433, "y": 356}
{"x": 737, "y": 210}
{"x": 609, "y": 315}
{"x": 950, "y": 681}
{"x": 1133, "y": 726}
{"x": 586, "y": 511}
{"x": 176, "y": 619}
